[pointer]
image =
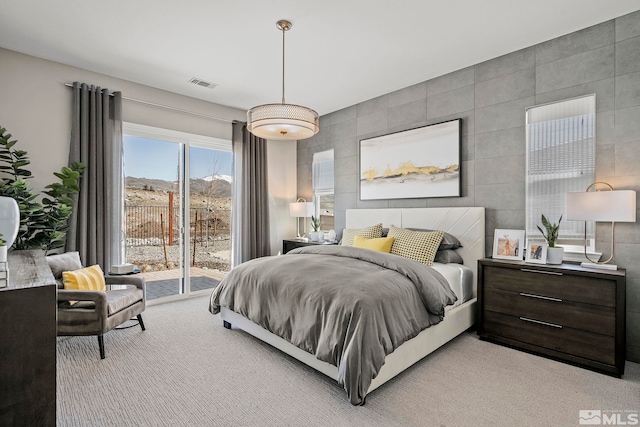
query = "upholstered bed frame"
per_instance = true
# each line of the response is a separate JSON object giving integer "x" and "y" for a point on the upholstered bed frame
{"x": 467, "y": 224}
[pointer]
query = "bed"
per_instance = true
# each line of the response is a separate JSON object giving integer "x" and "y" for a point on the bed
{"x": 467, "y": 224}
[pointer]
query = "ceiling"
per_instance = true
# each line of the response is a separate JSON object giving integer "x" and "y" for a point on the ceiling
{"x": 338, "y": 52}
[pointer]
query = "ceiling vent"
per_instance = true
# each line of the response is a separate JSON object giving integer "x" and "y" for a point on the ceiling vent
{"x": 202, "y": 83}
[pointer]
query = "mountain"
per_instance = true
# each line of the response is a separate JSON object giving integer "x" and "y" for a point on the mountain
{"x": 220, "y": 177}
{"x": 216, "y": 186}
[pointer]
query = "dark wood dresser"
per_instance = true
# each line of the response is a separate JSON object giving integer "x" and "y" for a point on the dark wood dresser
{"x": 564, "y": 312}
{"x": 28, "y": 342}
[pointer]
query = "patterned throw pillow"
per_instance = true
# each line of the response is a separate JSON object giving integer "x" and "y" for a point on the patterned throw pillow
{"x": 85, "y": 279}
{"x": 381, "y": 244}
{"x": 417, "y": 245}
{"x": 449, "y": 241}
{"x": 348, "y": 234}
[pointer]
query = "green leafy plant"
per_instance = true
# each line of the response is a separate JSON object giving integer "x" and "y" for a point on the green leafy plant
{"x": 43, "y": 224}
{"x": 552, "y": 231}
{"x": 2, "y": 241}
{"x": 315, "y": 223}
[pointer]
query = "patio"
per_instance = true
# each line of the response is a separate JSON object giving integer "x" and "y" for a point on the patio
{"x": 165, "y": 283}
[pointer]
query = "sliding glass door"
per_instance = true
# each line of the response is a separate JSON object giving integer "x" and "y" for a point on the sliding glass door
{"x": 209, "y": 215}
{"x": 177, "y": 230}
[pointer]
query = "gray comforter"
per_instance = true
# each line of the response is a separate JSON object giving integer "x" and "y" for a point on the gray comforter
{"x": 349, "y": 307}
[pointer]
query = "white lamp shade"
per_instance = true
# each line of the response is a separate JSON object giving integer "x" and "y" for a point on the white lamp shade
{"x": 606, "y": 206}
{"x": 9, "y": 219}
{"x": 301, "y": 209}
{"x": 282, "y": 122}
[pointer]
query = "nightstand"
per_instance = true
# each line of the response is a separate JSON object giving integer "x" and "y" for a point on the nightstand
{"x": 291, "y": 244}
{"x": 564, "y": 312}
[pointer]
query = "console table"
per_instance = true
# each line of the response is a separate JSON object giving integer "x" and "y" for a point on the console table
{"x": 28, "y": 342}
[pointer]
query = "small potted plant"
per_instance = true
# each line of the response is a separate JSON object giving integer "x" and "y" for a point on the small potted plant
{"x": 316, "y": 235}
{"x": 554, "y": 253}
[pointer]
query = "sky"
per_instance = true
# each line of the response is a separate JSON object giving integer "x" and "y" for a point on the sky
{"x": 148, "y": 158}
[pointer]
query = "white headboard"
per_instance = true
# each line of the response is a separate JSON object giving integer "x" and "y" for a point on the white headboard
{"x": 467, "y": 224}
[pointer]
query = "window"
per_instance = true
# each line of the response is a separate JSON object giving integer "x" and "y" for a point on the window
{"x": 177, "y": 209}
{"x": 322, "y": 169}
{"x": 560, "y": 159}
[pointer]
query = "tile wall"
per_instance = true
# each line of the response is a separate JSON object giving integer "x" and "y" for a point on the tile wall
{"x": 491, "y": 98}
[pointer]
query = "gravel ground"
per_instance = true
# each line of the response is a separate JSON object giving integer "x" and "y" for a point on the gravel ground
{"x": 151, "y": 257}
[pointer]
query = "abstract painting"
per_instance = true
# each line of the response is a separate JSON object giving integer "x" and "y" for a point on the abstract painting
{"x": 416, "y": 163}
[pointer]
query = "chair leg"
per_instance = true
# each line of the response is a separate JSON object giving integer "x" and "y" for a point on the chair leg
{"x": 101, "y": 345}
{"x": 141, "y": 322}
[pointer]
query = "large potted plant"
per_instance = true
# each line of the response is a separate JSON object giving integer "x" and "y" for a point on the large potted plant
{"x": 43, "y": 224}
{"x": 554, "y": 253}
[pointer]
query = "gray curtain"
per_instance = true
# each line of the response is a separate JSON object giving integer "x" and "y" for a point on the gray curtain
{"x": 96, "y": 141}
{"x": 250, "y": 236}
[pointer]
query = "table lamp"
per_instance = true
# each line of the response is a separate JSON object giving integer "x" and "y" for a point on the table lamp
{"x": 301, "y": 209}
{"x": 604, "y": 206}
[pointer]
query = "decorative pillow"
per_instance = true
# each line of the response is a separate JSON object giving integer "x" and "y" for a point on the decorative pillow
{"x": 416, "y": 245}
{"x": 85, "y": 279}
{"x": 448, "y": 256}
{"x": 449, "y": 241}
{"x": 372, "y": 232}
{"x": 64, "y": 262}
{"x": 380, "y": 244}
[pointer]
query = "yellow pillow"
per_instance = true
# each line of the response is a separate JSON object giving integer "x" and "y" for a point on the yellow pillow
{"x": 381, "y": 244}
{"x": 417, "y": 245}
{"x": 85, "y": 279}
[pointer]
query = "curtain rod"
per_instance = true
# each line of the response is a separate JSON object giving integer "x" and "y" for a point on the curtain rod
{"x": 166, "y": 107}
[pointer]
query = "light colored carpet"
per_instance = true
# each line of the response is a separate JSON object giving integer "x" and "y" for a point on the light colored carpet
{"x": 187, "y": 370}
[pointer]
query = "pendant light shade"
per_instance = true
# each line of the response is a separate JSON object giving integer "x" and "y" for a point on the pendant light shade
{"x": 283, "y": 121}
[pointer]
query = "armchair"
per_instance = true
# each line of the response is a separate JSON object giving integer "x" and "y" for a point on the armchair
{"x": 96, "y": 312}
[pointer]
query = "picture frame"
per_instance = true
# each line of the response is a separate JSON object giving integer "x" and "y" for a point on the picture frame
{"x": 508, "y": 244}
{"x": 422, "y": 162}
{"x": 536, "y": 252}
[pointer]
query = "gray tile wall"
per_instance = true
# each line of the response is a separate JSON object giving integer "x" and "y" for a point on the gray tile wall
{"x": 491, "y": 98}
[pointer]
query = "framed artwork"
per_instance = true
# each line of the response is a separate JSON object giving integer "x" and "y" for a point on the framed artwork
{"x": 536, "y": 253}
{"x": 416, "y": 163}
{"x": 508, "y": 244}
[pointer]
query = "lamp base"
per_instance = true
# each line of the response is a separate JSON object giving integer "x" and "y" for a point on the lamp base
{"x": 599, "y": 266}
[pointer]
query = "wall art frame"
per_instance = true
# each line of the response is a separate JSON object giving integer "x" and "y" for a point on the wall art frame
{"x": 423, "y": 162}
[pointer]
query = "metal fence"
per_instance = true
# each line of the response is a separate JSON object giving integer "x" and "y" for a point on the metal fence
{"x": 149, "y": 225}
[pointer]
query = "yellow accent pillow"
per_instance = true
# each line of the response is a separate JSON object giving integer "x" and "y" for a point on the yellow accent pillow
{"x": 417, "y": 245}
{"x": 85, "y": 279}
{"x": 372, "y": 232}
{"x": 381, "y": 244}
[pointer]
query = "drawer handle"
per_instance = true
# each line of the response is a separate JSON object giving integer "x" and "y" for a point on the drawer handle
{"x": 540, "y": 322}
{"x": 524, "y": 294}
{"x": 553, "y": 273}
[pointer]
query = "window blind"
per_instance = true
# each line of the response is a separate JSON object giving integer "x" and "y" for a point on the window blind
{"x": 322, "y": 170}
{"x": 560, "y": 159}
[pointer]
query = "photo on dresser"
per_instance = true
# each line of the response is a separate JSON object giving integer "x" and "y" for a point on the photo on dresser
{"x": 536, "y": 252}
{"x": 508, "y": 244}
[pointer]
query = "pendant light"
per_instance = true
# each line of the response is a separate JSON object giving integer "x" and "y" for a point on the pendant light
{"x": 282, "y": 121}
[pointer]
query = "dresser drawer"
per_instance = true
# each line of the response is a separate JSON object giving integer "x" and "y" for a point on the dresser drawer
{"x": 567, "y": 287}
{"x": 588, "y": 317}
{"x": 600, "y": 348}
